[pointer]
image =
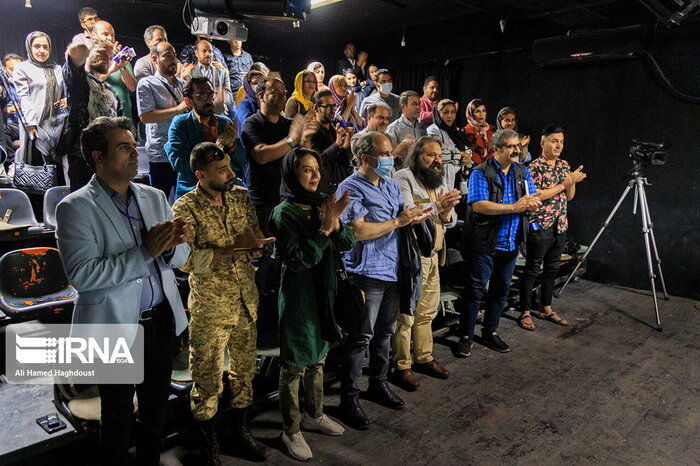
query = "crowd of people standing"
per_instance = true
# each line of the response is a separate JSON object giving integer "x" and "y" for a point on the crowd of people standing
{"x": 350, "y": 184}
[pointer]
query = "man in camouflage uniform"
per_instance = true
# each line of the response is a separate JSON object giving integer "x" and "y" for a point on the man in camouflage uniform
{"x": 223, "y": 298}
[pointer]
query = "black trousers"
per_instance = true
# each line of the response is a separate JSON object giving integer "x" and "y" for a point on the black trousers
{"x": 79, "y": 173}
{"x": 544, "y": 249}
{"x": 163, "y": 176}
{"x": 117, "y": 400}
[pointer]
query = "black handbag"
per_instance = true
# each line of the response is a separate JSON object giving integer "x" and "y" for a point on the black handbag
{"x": 34, "y": 179}
{"x": 349, "y": 300}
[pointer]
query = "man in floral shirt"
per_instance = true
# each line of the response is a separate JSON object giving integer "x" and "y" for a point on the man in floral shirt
{"x": 556, "y": 185}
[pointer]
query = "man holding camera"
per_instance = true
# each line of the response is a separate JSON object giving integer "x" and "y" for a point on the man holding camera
{"x": 556, "y": 185}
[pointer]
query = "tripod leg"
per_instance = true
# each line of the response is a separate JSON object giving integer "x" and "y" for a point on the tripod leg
{"x": 595, "y": 240}
{"x": 653, "y": 244}
{"x": 647, "y": 245}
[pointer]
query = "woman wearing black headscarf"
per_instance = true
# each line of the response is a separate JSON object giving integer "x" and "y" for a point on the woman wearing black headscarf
{"x": 39, "y": 84}
{"x": 455, "y": 153}
{"x": 309, "y": 237}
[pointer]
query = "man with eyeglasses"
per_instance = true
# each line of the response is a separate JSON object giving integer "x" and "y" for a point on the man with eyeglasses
{"x": 87, "y": 17}
{"x": 218, "y": 77}
{"x": 159, "y": 98}
{"x": 501, "y": 190}
{"x": 332, "y": 141}
{"x": 375, "y": 215}
{"x": 422, "y": 183}
{"x": 223, "y": 300}
{"x": 199, "y": 125}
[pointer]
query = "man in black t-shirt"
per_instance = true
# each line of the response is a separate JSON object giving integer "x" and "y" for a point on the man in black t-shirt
{"x": 267, "y": 136}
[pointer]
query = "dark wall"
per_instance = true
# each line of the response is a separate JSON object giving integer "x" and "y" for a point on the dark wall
{"x": 602, "y": 106}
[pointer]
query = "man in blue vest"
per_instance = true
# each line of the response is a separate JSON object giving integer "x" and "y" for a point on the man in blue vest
{"x": 500, "y": 191}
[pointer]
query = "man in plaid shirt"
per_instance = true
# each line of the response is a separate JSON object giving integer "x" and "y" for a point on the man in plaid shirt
{"x": 500, "y": 191}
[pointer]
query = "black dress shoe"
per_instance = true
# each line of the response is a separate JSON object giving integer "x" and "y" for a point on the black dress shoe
{"x": 381, "y": 394}
{"x": 494, "y": 341}
{"x": 351, "y": 413}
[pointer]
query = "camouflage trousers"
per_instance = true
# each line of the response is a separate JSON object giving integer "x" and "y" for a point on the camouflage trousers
{"x": 207, "y": 344}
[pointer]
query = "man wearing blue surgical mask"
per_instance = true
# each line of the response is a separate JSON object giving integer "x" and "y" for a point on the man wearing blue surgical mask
{"x": 382, "y": 93}
{"x": 375, "y": 215}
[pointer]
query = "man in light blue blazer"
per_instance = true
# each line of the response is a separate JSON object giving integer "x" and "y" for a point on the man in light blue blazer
{"x": 119, "y": 242}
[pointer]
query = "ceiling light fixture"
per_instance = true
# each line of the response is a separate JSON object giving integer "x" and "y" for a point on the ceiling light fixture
{"x": 320, "y": 3}
{"x": 27, "y": 3}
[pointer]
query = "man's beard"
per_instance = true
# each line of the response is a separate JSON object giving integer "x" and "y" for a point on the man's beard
{"x": 100, "y": 67}
{"x": 221, "y": 187}
{"x": 429, "y": 176}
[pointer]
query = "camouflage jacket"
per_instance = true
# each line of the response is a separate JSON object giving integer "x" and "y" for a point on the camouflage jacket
{"x": 219, "y": 290}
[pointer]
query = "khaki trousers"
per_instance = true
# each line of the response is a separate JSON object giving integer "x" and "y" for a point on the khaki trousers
{"x": 417, "y": 329}
{"x": 290, "y": 381}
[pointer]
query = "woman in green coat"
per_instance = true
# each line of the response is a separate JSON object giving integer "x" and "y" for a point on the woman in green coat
{"x": 309, "y": 239}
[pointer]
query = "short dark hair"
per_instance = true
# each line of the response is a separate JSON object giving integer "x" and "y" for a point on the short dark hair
{"x": 148, "y": 33}
{"x": 262, "y": 85}
{"x": 10, "y": 56}
{"x": 94, "y": 136}
{"x": 350, "y": 71}
{"x": 430, "y": 79}
{"x": 405, "y": 95}
{"x": 203, "y": 154}
{"x": 417, "y": 150}
{"x": 371, "y": 109}
{"x": 260, "y": 66}
{"x": 382, "y": 71}
{"x": 86, "y": 11}
{"x": 552, "y": 128}
{"x": 316, "y": 99}
{"x": 188, "y": 90}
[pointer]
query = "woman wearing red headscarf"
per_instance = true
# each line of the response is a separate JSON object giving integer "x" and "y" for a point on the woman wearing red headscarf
{"x": 478, "y": 131}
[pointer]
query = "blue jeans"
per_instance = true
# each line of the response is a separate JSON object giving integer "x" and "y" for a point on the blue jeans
{"x": 373, "y": 329}
{"x": 497, "y": 270}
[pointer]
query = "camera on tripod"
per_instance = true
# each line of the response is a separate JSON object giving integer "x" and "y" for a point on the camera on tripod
{"x": 646, "y": 153}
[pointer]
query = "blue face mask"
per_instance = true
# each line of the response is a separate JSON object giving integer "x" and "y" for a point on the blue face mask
{"x": 385, "y": 165}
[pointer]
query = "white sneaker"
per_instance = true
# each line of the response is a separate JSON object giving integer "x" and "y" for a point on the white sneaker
{"x": 322, "y": 424}
{"x": 297, "y": 446}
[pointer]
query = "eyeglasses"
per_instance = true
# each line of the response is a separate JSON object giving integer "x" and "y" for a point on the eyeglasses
{"x": 511, "y": 146}
{"x": 327, "y": 106}
{"x": 205, "y": 95}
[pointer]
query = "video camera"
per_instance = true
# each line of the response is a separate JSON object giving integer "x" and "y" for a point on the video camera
{"x": 646, "y": 153}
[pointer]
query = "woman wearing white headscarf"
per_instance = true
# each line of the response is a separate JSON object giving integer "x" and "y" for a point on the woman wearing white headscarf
{"x": 39, "y": 84}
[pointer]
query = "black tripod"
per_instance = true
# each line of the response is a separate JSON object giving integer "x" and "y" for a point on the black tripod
{"x": 638, "y": 181}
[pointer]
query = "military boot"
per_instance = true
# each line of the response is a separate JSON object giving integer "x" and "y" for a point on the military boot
{"x": 244, "y": 441}
{"x": 209, "y": 444}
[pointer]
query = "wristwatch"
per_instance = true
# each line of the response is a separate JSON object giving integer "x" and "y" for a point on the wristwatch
{"x": 290, "y": 141}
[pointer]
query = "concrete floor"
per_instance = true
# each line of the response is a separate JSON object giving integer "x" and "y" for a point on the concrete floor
{"x": 608, "y": 389}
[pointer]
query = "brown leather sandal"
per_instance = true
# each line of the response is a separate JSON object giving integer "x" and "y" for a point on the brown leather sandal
{"x": 553, "y": 317}
{"x": 526, "y": 325}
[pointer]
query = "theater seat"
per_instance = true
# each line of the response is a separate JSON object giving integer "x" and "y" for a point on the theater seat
{"x": 52, "y": 197}
{"x": 17, "y": 203}
{"x": 33, "y": 284}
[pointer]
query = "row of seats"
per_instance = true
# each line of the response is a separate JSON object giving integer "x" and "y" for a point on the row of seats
{"x": 17, "y": 215}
